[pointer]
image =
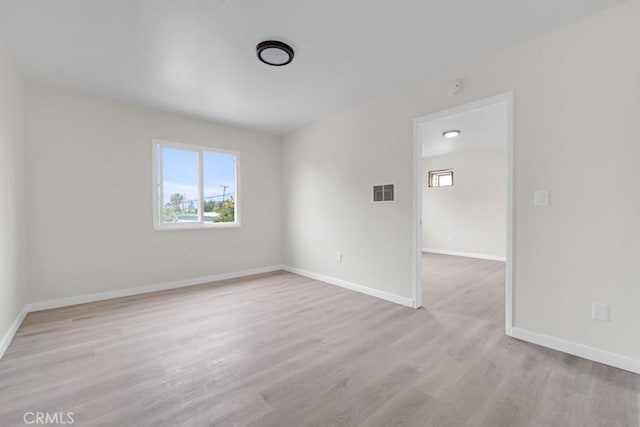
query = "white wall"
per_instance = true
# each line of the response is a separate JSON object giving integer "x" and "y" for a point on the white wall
{"x": 471, "y": 215}
{"x": 577, "y": 105}
{"x": 90, "y": 200}
{"x": 12, "y": 232}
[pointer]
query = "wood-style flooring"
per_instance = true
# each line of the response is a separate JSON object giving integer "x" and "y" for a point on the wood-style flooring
{"x": 283, "y": 350}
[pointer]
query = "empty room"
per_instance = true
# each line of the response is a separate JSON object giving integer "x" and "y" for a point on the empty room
{"x": 304, "y": 213}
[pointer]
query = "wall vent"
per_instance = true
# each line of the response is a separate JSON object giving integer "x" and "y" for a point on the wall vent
{"x": 384, "y": 193}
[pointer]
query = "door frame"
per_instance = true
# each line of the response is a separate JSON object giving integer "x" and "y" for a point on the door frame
{"x": 506, "y": 98}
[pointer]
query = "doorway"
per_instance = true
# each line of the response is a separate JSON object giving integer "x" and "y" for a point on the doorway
{"x": 462, "y": 144}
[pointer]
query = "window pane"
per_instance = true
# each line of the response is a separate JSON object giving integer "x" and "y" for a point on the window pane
{"x": 445, "y": 180}
{"x": 179, "y": 186}
{"x": 219, "y": 187}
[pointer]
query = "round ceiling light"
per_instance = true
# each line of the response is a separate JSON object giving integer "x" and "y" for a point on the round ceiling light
{"x": 274, "y": 53}
{"x": 451, "y": 133}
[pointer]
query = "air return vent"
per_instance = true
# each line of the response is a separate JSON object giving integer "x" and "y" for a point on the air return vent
{"x": 384, "y": 193}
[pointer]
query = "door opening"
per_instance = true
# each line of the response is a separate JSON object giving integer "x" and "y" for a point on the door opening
{"x": 463, "y": 195}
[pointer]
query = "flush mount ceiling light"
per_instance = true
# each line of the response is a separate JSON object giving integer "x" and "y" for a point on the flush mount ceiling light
{"x": 451, "y": 133}
{"x": 274, "y": 53}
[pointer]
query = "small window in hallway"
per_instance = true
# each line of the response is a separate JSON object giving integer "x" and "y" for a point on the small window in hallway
{"x": 441, "y": 178}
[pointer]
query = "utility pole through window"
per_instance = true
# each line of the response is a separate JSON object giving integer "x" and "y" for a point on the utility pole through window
{"x": 224, "y": 191}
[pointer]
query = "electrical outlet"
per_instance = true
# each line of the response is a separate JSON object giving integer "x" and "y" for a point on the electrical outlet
{"x": 600, "y": 312}
{"x": 541, "y": 198}
{"x": 338, "y": 256}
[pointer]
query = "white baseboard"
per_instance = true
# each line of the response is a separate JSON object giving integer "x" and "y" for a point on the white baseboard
{"x": 353, "y": 286}
{"x": 590, "y": 353}
{"x": 82, "y": 299}
{"x": 8, "y": 336}
{"x": 465, "y": 254}
{"x": 580, "y": 350}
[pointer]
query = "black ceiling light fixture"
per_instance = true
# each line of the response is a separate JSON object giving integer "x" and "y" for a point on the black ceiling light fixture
{"x": 275, "y": 53}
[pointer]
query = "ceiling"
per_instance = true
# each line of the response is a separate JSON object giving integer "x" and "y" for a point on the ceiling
{"x": 482, "y": 127}
{"x": 197, "y": 57}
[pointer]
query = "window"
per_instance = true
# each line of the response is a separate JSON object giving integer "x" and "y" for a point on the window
{"x": 383, "y": 193}
{"x": 194, "y": 187}
{"x": 441, "y": 178}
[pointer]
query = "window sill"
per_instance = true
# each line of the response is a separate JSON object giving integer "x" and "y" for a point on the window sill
{"x": 198, "y": 226}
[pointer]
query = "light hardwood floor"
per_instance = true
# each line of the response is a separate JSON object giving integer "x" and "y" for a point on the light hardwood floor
{"x": 282, "y": 350}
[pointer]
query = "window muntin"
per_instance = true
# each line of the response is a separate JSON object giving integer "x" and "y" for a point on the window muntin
{"x": 194, "y": 186}
{"x": 440, "y": 178}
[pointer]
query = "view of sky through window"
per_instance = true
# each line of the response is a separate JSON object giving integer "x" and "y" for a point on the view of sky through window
{"x": 180, "y": 175}
{"x": 219, "y": 176}
{"x": 181, "y": 183}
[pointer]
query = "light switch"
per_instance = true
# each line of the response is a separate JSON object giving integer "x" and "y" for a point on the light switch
{"x": 600, "y": 312}
{"x": 541, "y": 198}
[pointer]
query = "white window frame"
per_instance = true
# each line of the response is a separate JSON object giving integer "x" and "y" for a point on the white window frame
{"x": 156, "y": 154}
{"x": 437, "y": 174}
